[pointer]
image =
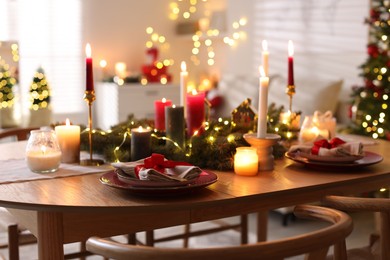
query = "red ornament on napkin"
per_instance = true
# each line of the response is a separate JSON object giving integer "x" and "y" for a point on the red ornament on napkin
{"x": 323, "y": 143}
{"x": 158, "y": 163}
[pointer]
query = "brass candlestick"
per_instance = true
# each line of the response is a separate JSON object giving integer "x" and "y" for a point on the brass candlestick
{"x": 290, "y": 91}
{"x": 89, "y": 97}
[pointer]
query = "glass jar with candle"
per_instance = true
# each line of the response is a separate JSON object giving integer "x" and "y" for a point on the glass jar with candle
{"x": 43, "y": 153}
{"x": 246, "y": 161}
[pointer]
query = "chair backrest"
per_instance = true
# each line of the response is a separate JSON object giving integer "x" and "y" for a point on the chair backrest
{"x": 19, "y": 133}
{"x": 315, "y": 244}
{"x": 381, "y": 205}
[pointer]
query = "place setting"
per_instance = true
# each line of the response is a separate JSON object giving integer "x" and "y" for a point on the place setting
{"x": 156, "y": 175}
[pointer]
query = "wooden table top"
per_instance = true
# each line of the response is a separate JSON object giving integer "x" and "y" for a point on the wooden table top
{"x": 272, "y": 189}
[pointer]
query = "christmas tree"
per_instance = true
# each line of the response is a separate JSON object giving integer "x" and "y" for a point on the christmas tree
{"x": 371, "y": 102}
{"x": 39, "y": 91}
{"x": 6, "y": 84}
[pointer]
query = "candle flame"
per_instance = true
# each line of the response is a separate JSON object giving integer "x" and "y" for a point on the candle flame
{"x": 290, "y": 48}
{"x": 164, "y": 100}
{"x": 88, "y": 50}
{"x": 67, "y": 122}
{"x": 140, "y": 129}
{"x": 173, "y": 106}
{"x": 265, "y": 45}
{"x": 43, "y": 149}
{"x": 262, "y": 72}
{"x": 194, "y": 92}
{"x": 183, "y": 66}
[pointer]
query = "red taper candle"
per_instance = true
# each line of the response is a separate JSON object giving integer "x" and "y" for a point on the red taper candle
{"x": 290, "y": 63}
{"x": 89, "y": 70}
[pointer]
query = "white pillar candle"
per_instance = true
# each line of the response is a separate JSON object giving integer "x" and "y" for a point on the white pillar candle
{"x": 183, "y": 85}
{"x": 246, "y": 161}
{"x": 263, "y": 105}
{"x": 69, "y": 140}
{"x": 43, "y": 160}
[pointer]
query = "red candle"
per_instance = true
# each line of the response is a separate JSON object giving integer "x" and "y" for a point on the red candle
{"x": 290, "y": 63}
{"x": 89, "y": 79}
{"x": 159, "y": 118}
{"x": 195, "y": 112}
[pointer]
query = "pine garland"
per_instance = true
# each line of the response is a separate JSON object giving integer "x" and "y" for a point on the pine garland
{"x": 213, "y": 149}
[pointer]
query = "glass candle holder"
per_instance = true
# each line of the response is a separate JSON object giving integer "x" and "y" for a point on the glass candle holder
{"x": 43, "y": 153}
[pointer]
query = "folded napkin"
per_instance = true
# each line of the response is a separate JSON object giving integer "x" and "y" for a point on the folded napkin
{"x": 157, "y": 168}
{"x": 335, "y": 147}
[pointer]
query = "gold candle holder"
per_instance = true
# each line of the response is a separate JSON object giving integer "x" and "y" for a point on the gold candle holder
{"x": 290, "y": 91}
{"x": 89, "y": 97}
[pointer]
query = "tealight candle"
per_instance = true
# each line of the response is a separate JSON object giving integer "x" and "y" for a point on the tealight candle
{"x": 140, "y": 143}
{"x": 69, "y": 139}
{"x": 246, "y": 161}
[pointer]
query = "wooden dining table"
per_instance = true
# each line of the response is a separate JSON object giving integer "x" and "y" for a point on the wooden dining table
{"x": 70, "y": 209}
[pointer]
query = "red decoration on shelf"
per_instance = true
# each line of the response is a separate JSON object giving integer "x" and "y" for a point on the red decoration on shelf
{"x": 150, "y": 71}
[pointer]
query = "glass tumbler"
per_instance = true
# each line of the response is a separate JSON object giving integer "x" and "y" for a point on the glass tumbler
{"x": 43, "y": 153}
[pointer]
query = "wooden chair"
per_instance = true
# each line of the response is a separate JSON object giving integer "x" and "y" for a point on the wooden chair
{"x": 241, "y": 226}
{"x": 381, "y": 205}
{"x": 19, "y": 235}
{"x": 314, "y": 244}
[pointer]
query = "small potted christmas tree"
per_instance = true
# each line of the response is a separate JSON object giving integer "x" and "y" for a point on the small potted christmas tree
{"x": 7, "y": 97}
{"x": 40, "y": 109}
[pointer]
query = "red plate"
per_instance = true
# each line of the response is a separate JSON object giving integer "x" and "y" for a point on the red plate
{"x": 205, "y": 178}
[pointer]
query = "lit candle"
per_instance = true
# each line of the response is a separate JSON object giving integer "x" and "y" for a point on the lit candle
{"x": 175, "y": 124}
{"x": 246, "y": 161}
{"x": 120, "y": 69}
{"x": 43, "y": 160}
{"x": 290, "y": 63}
{"x": 159, "y": 117}
{"x": 263, "y": 105}
{"x": 140, "y": 143}
{"x": 69, "y": 140}
{"x": 89, "y": 70}
{"x": 265, "y": 57}
{"x": 195, "y": 112}
{"x": 311, "y": 134}
{"x": 183, "y": 85}
{"x": 290, "y": 119}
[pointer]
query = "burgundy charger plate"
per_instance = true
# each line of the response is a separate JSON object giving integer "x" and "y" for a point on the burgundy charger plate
{"x": 205, "y": 178}
{"x": 369, "y": 158}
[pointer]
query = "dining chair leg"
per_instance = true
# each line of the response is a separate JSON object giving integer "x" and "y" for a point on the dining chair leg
{"x": 149, "y": 241}
{"x": 385, "y": 235}
{"x": 244, "y": 229}
{"x": 187, "y": 230}
{"x": 262, "y": 223}
{"x": 13, "y": 242}
{"x": 131, "y": 239}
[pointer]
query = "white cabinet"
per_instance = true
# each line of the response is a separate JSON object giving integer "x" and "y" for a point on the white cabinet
{"x": 115, "y": 103}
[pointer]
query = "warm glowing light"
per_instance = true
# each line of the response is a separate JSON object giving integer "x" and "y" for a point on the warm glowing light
{"x": 264, "y": 44}
{"x": 183, "y": 66}
{"x": 67, "y": 122}
{"x": 290, "y": 48}
{"x": 368, "y": 117}
{"x": 243, "y": 21}
{"x": 103, "y": 63}
{"x": 88, "y": 50}
{"x": 262, "y": 72}
{"x": 149, "y": 30}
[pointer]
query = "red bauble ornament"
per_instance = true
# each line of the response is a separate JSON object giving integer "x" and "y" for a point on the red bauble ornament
{"x": 372, "y": 50}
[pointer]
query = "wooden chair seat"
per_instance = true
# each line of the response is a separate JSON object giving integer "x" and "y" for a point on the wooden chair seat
{"x": 379, "y": 246}
{"x": 314, "y": 244}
